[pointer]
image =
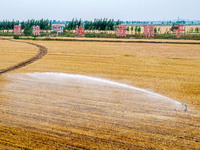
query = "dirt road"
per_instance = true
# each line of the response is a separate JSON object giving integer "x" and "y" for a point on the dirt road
{"x": 41, "y": 52}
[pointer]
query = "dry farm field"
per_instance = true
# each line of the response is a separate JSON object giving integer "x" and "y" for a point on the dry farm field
{"x": 100, "y": 95}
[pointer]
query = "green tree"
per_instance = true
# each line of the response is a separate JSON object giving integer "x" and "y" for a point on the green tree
{"x": 136, "y": 29}
{"x": 197, "y": 30}
{"x": 99, "y": 29}
{"x": 159, "y": 29}
{"x": 2, "y": 29}
{"x": 132, "y": 30}
{"x": 50, "y": 25}
{"x": 139, "y": 29}
{"x": 46, "y": 28}
{"x": 173, "y": 27}
{"x": 118, "y": 22}
{"x": 127, "y": 28}
{"x": 23, "y": 25}
{"x": 106, "y": 28}
{"x": 155, "y": 30}
{"x": 27, "y": 31}
{"x": 89, "y": 28}
{"x": 191, "y": 29}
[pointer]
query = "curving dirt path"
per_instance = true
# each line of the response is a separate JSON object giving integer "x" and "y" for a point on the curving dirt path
{"x": 41, "y": 52}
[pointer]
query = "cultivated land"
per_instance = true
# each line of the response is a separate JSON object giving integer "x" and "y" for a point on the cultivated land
{"x": 170, "y": 69}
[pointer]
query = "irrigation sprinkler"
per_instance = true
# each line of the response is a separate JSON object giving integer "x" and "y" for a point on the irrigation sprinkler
{"x": 185, "y": 106}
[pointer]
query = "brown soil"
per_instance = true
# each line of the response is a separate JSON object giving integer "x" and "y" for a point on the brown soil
{"x": 41, "y": 52}
{"x": 77, "y": 123}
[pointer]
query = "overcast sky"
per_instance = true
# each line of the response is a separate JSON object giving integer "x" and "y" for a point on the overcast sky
{"x": 89, "y": 9}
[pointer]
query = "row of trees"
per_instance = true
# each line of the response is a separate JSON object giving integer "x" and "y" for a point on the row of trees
{"x": 97, "y": 24}
{"x": 44, "y": 24}
{"x": 72, "y": 24}
{"x": 137, "y": 29}
{"x": 191, "y": 30}
{"x": 9, "y": 25}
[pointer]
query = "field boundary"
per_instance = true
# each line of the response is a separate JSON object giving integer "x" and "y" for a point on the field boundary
{"x": 41, "y": 52}
{"x": 114, "y": 40}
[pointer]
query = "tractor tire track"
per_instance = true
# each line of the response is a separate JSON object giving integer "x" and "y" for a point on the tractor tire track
{"x": 41, "y": 52}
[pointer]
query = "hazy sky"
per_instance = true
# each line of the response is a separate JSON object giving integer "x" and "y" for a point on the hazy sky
{"x": 90, "y": 9}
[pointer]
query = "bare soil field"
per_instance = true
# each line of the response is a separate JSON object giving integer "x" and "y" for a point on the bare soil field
{"x": 9, "y": 56}
{"x": 121, "y": 40}
{"x": 140, "y": 64}
{"x": 41, "y": 52}
{"x": 49, "y": 112}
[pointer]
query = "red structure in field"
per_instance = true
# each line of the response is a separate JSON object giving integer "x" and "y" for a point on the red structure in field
{"x": 36, "y": 30}
{"x": 146, "y": 30}
{"x": 121, "y": 31}
{"x": 149, "y": 31}
{"x": 180, "y": 29}
{"x": 57, "y": 28}
{"x": 80, "y": 31}
{"x": 17, "y": 30}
